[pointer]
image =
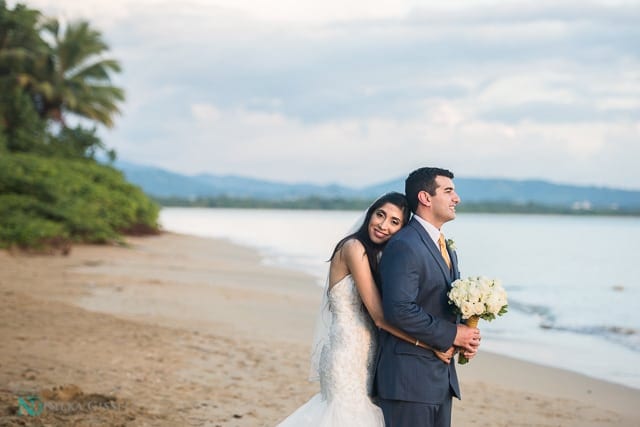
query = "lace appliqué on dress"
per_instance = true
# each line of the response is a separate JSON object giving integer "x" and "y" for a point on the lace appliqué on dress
{"x": 346, "y": 367}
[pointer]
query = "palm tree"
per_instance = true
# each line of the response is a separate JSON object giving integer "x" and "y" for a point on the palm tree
{"x": 47, "y": 74}
{"x": 21, "y": 52}
{"x": 20, "y": 42}
{"x": 76, "y": 78}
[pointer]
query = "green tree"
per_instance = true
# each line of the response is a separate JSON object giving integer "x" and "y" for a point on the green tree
{"x": 22, "y": 51}
{"x": 52, "y": 191}
{"x": 48, "y": 72}
{"x": 76, "y": 78}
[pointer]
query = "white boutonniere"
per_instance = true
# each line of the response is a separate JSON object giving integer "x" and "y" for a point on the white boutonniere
{"x": 451, "y": 244}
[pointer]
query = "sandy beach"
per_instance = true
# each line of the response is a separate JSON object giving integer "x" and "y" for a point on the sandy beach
{"x": 175, "y": 330}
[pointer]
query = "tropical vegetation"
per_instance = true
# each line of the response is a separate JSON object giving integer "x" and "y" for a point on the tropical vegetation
{"x": 55, "y": 91}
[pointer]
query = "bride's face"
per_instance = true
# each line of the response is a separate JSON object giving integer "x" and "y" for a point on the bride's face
{"x": 385, "y": 222}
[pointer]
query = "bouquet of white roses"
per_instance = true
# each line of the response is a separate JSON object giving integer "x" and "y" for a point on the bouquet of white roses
{"x": 475, "y": 298}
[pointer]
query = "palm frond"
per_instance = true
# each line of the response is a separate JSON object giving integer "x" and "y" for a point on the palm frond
{"x": 96, "y": 71}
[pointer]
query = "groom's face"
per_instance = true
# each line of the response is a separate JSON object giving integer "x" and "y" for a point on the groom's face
{"x": 443, "y": 203}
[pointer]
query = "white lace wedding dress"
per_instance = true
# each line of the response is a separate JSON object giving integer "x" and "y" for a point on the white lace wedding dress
{"x": 346, "y": 367}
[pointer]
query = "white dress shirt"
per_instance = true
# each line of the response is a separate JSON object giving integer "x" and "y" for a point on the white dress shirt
{"x": 431, "y": 229}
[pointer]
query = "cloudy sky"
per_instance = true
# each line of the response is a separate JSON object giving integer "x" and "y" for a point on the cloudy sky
{"x": 361, "y": 91}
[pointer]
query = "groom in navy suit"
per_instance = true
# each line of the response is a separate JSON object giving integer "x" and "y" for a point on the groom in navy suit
{"x": 414, "y": 387}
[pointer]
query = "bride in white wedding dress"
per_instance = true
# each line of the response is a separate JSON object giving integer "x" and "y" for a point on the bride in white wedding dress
{"x": 346, "y": 337}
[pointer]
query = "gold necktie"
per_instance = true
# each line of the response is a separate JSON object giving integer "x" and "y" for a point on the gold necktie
{"x": 443, "y": 250}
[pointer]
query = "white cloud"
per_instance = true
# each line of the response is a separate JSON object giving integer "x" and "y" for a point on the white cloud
{"x": 363, "y": 91}
{"x": 205, "y": 113}
{"x": 371, "y": 150}
{"x": 285, "y": 11}
{"x": 517, "y": 88}
{"x": 446, "y": 114}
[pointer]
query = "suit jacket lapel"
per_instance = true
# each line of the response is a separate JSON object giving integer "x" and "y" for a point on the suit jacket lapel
{"x": 432, "y": 248}
{"x": 454, "y": 263}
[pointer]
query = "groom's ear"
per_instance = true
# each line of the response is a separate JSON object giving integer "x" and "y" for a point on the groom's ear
{"x": 424, "y": 198}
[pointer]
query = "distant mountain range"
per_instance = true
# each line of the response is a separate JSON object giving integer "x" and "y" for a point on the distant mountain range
{"x": 164, "y": 184}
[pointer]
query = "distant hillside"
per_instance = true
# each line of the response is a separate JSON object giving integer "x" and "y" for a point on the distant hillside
{"x": 522, "y": 192}
{"x": 164, "y": 184}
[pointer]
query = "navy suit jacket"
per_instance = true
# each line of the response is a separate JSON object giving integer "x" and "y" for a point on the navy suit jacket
{"x": 415, "y": 281}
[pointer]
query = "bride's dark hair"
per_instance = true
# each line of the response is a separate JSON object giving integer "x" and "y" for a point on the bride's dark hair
{"x": 371, "y": 249}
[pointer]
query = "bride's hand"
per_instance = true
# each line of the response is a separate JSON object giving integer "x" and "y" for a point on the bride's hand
{"x": 446, "y": 356}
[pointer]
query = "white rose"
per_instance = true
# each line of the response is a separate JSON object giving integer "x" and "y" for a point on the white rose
{"x": 474, "y": 294}
{"x": 494, "y": 304}
{"x": 478, "y": 308}
{"x": 456, "y": 296}
{"x": 467, "y": 309}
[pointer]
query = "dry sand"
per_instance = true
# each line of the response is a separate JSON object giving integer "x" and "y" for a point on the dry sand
{"x": 176, "y": 331}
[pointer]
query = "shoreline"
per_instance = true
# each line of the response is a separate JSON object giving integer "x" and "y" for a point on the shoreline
{"x": 542, "y": 322}
{"x": 183, "y": 330}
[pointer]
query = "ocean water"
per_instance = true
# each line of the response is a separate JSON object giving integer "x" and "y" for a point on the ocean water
{"x": 573, "y": 282}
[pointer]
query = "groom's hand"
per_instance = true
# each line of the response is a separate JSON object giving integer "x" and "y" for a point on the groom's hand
{"x": 467, "y": 338}
{"x": 469, "y": 354}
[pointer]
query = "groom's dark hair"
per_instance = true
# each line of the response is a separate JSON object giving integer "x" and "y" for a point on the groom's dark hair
{"x": 423, "y": 179}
